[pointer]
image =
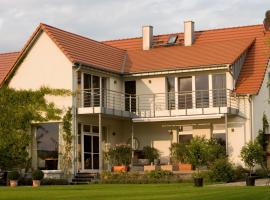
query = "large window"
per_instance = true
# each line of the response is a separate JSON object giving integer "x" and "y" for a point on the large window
{"x": 202, "y": 91}
{"x": 185, "y": 92}
{"x": 171, "y": 92}
{"x": 219, "y": 90}
{"x": 47, "y": 142}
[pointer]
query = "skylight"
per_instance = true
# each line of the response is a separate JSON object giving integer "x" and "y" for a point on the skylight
{"x": 172, "y": 39}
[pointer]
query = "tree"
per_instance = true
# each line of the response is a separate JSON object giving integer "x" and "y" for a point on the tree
{"x": 252, "y": 153}
{"x": 20, "y": 108}
{"x": 197, "y": 153}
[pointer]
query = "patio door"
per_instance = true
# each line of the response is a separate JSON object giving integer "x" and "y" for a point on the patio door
{"x": 90, "y": 148}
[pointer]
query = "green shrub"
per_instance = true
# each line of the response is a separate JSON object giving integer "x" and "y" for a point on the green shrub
{"x": 240, "y": 173}
{"x": 37, "y": 175}
{"x": 150, "y": 153}
{"x": 178, "y": 152}
{"x": 25, "y": 181}
{"x": 221, "y": 171}
{"x": 215, "y": 151}
{"x": 49, "y": 181}
{"x": 119, "y": 155}
{"x": 13, "y": 175}
{"x": 137, "y": 178}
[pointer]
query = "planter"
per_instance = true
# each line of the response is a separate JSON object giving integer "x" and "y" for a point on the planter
{"x": 13, "y": 183}
{"x": 120, "y": 168}
{"x": 168, "y": 168}
{"x": 185, "y": 167}
{"x": 36, "y": 183}
{"x": 250, "y": 181}
{"x": 198, "y": 182}
{"x": 149, "y": 168}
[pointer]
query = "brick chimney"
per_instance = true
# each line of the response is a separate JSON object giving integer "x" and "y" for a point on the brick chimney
{"x": 147, "y": 35}
{"x": 189, "y": 33}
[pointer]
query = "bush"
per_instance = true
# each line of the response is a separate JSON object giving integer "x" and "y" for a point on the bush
{"x": 119, "y": 155}
{"x": 13, "y": 175}
{"x": 240, "y": 173}
{"x": 221, "y": 171}
{"x": 50, "y": 181}
{"x": 37, "y": 175}
{"x": 25, "y": 181}
{"x": 137, "y": 178}
{"x": 150, "y": 153}
{"x": 215, "y": 151}
{"x": 178, "y": 152}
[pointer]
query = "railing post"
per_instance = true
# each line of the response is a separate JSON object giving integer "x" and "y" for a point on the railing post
{"x": 186, "y": 103}
{"x": 154, "y": 105}
{"x": 138, "y": 109}
{"x": 130, "y": 103}
{"x": 113, "y": 104}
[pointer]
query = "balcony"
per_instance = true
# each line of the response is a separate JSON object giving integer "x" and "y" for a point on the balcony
{"x": 200, "y": 102}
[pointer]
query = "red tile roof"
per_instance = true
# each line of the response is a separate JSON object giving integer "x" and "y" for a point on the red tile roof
{"x": 6, "y": 62}
{"x": 211, "y": 47}
{"x": 181, "y": 57}
{"x": 83, "y": 50}
{"x": 253, "y": 70}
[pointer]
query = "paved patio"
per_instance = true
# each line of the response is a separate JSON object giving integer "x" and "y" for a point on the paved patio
{"x": 259, "y": 182}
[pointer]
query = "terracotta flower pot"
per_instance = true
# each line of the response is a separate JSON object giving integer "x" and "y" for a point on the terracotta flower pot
{"x": 36, "y": 183}
{"x": 13, "y": 183}
{"x": 120, "y": 168}
{"x": 185, "y": 167}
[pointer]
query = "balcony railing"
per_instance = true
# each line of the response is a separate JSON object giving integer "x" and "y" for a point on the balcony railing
{"x": 159, "y": 104}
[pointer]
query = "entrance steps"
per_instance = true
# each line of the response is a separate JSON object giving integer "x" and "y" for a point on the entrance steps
{"x": 84, "y": 178}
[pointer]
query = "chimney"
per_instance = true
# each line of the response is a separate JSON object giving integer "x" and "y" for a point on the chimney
{"x": 147, "y": 35}
{"x": 189, "y": 34}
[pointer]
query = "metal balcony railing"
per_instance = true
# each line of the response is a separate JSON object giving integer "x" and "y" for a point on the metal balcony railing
{"x": 149, "y": 105}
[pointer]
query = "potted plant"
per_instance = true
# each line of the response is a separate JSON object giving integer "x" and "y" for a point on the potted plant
{"x": 197, "y": 155}
{"x": 151, "y": 153}
{"x": 178, "y": 154}
{"x": 119, "y": 157}
{"x": 13, "y": 177}
{"x": 37, "y": 176}
{"x": 251, "y": 154}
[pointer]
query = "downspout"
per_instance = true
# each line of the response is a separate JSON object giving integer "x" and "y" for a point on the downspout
{"x": 75, "y": 69}
{"x": 250, "y": 99}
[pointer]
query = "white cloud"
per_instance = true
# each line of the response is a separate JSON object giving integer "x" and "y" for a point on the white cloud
{"x": 109, "y": 19}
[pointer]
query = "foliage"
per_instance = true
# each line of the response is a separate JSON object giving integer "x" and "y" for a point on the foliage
{"x": 46, "y": 181}
{"x": 13, "y": 175}
{"x": 139, "y": 178}
{"x": 240, "y": 173}
{"x": 37, "y": 175}
{"x": 221, "y": 171}
{"x": 197, "y": 153}
{"x": 119, "y": 155}
{"x": 150, "y": 153}
{"x": 215, "y": 151}
{"x": 67, "y": 138}
{"x": 252, "y": 153}
{"x": 178, "y": 152}
{"x": 20, "y": 108}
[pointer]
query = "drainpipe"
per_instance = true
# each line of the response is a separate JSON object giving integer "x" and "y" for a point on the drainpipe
{"x": 75, "y": 69}
{"x": 251, "y": 116}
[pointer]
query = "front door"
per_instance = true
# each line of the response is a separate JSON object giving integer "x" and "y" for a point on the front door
{"x": 90, "y": 148}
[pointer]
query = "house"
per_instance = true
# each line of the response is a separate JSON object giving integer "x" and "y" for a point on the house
{"x": 152, "y": 90}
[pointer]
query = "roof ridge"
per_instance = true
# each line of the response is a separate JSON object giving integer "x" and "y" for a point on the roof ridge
{"x": 166, "y": 34}
{"x": 75, "y": 34}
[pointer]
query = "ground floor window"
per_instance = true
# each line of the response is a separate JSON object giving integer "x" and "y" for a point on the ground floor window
{"x": 185, "y": 134}
{"x": 47, "y": 143}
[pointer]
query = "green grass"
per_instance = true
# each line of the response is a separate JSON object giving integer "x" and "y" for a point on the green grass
{"x": 136, "y": 192}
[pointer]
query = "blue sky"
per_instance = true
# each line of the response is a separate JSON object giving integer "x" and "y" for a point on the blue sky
{"x": 112, "y": 19}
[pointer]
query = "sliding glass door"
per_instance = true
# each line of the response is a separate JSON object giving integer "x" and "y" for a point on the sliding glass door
{"x": 202, "y": 91}
{"x": 184, "y": 92}
{"x": 219, "y": 90}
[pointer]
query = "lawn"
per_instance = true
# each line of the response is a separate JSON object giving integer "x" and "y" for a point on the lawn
{"x": 135, "y": 192}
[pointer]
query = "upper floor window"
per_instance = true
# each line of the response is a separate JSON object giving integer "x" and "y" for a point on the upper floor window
{"x": 202, "y": 91}
{"x": 185, "y": 92}
{"x": 171, "y": 92}
{"x": 219, "y": 90}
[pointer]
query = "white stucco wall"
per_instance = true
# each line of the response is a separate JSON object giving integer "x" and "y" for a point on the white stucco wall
{"x": 45, "y": 65}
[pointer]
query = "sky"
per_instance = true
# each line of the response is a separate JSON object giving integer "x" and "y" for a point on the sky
{"x": 113, "y": 19}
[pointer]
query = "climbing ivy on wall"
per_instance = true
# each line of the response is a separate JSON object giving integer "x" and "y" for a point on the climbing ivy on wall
{"x": 18, "y": 109}
{"x": 67, "y": 139}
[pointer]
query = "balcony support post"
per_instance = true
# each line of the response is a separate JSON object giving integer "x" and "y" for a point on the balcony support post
{"x": 100, "y": 142}
{"x": 226, "y": 133}
{"x": 132, "y": 142}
